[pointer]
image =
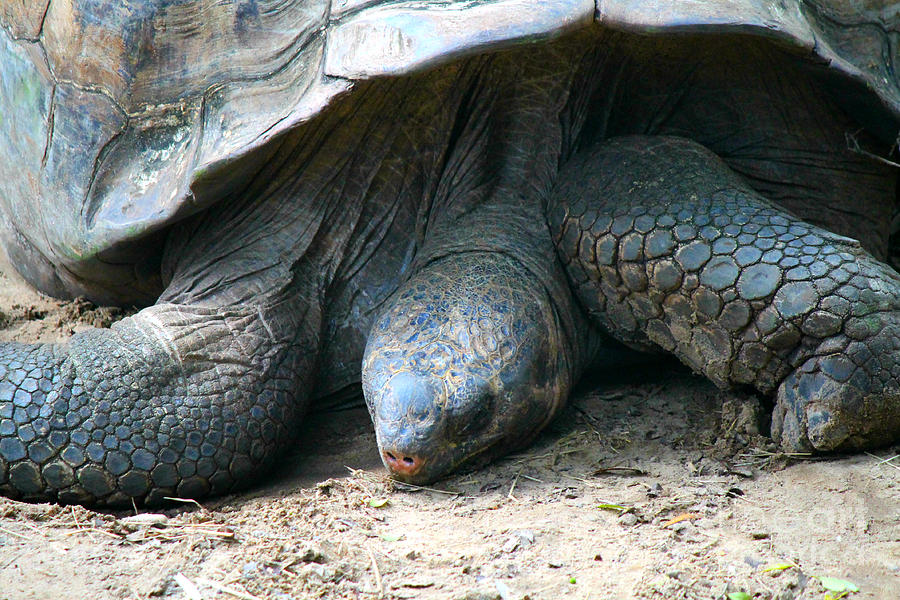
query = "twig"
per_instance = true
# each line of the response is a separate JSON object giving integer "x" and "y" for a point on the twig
{"x": 593, "y": 422}
{"x": 35, "y": 529}
{"x": 79, "y": 529}
{"x": 885, "y": 461}
{"x": 181, "y": 500}
{"x": 556, "y": 454}
{"x": 226, "y": 590}
{"x": 620, "y": 470}
{"x": 853, "y": 146}
{"x": 512, "y": 488}
{"x": 12, "y": 560}
{"x": 18, "y": 535}
{"x": 190, "y": 590}
{"x": 418, "y": 488}
{"x": 378, "y": 583}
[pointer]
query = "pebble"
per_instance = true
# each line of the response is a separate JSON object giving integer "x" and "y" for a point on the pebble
{"x": 481, "y": 595}
{"x": 135, "y": 522}
{"x": 753, "y": 561}
{"x": 518, "y": 539}
{"x": 321, "y": 573}
{"x": 312, "y": 554}
{"x": 248, "y": 571}
{"x": 742, "y": 472}
{"x": 512, "y": 544}
{"x": 503, "y": 590}
{"x": 628, "y": 519}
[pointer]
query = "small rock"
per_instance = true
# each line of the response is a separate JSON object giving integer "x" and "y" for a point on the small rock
{"x": 753, "y": 562}
{"x": 654, "y": 490}
{"x": 526, "y": 535}
{"x": 320, "y": 573}
{"x": 481, "y": 595}
{"x": 734, "y": 492}
{"x": 518, "y": 539}
{"x": 413, "y": 555}
{"x": 742, "y": 472}
{"x": 248, "y": 571}
{"x": 312, "y": 554}
{"x": 503, "y": 590}
{"x": 759, "y": 535}
{"x": 418, "y": 584}
{"x": 143, "y": 521}
{"x": 159, "y": 587}
{"x": 681, "y": 527}
{"x": 628, "y": 519}
{"x": 555, "y": 564}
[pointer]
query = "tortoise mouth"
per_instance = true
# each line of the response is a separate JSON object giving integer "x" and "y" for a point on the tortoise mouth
{"x": 428, "y": 469}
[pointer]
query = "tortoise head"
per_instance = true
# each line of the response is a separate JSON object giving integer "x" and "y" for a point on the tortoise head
{"x": 464, "y": 365}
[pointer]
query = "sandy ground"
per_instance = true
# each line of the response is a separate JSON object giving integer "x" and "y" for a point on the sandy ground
{"x": 707, "y": 510}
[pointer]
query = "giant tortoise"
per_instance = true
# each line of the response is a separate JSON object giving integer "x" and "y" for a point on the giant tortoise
{"x": 465, "y": 205}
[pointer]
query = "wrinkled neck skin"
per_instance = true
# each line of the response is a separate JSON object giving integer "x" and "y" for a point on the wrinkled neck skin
{"x": 415, "y": 170}
{"x": 449, "y": 279}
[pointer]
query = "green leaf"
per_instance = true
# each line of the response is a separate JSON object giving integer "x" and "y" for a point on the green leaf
{"x": 617, "y": 507}
{"x": 778, "y": 567}
{"x": 833, "y": 584}
{"x": 378, "y": 502}
{"x": 739, "y": 596}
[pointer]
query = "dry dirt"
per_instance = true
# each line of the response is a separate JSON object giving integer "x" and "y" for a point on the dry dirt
{"x": 707, "y": 511}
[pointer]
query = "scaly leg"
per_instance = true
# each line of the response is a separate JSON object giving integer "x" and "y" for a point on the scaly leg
{"x": 665, "y": 246}
{"x": 192, "y": 396}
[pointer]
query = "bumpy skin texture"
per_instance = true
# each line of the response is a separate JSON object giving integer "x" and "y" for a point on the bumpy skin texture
{"x": 666, "y": 247}
{"x": 85, "y": 425}
{"x": 413, "y": 215}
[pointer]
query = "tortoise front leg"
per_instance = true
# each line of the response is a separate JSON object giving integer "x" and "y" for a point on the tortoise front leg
{"x": 192, "y": 396}
{"x": 665, "y": 246}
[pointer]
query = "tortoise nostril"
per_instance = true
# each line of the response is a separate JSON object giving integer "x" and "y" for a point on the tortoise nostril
{"x": 406, "y": 466}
